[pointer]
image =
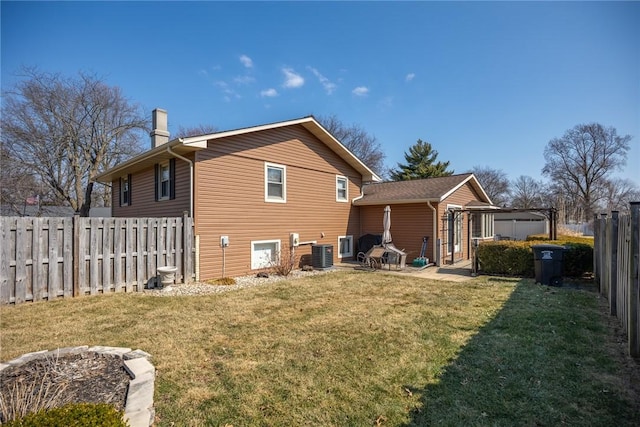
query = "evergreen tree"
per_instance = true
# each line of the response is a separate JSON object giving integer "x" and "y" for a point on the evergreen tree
{"x": 421, "y": 163}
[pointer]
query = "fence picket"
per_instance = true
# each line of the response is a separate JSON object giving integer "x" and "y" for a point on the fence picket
{"x": 21, "y": 262}
{"x": 6, "y": 256}
{"x": 37, "y": 259}
{"x": 106, "y": 254}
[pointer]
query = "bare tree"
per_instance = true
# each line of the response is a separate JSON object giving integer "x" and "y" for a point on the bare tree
{"x": 357, "y": 140}
{"x": 19, "y": 185}
{"x": 527, "y": 193}
{"x": 583, "y": 159}
{"x": 494, "y": 182}
{"x": 618, "y": 194}
{"x": 65, "y": 131}
{"x": 184, "y": 132}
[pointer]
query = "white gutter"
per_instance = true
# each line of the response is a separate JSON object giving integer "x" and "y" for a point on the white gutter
{"x": 359, "y": 197}
{"x": 190, "y": 178}
{"x": 435, "y": 233}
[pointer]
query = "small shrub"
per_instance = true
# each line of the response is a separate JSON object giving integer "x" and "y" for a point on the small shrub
{"x": 73, "y": 415}
{"x": 578, "y": 259}
{"x": 285, "y": 262}
{"x": 514, "y": 258}
{"x": 506, "y": 258}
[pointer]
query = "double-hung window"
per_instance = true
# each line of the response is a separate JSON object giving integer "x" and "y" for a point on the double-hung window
{"x": 275, "y": 177}
{"x": 342, "y": 192}
{"x": 125, "y": 190}
{"x": 165, "y": 174}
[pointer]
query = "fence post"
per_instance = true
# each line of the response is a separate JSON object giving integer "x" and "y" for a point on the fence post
{"x": 634, "y": 288}
{"x": 187, "y": 247}
{"x": 76, "y": 255}
{"x": 613, "y": 270}
{"x": 596, "y": 251}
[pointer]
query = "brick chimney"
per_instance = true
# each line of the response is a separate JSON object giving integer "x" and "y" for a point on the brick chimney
{"x": 160, "y": 133}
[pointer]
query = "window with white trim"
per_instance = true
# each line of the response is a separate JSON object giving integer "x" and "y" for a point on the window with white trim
{"x": 345, "y": 246}
{"x": 165, "y": 180}
{"x": 264, "y": 253}
{"x": 275, "y": 179}
{"x": 482, "y": 226}
{"x": 342, "y": 189}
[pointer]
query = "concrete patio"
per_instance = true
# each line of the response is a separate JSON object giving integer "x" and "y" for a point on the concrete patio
{"x": 459, "y": 272}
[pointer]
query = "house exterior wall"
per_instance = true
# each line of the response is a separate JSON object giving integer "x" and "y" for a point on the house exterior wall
{"x": 143, "y": 203}
{"x": 409, "y": 224}
{"x": 230, "y": 198}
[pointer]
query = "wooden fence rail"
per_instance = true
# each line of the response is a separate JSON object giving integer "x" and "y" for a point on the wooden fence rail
{"x": 50, "y": 258}
{"x": 616, "y": 255}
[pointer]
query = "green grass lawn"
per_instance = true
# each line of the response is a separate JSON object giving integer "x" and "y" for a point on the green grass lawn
{"x": 355, "y": 349}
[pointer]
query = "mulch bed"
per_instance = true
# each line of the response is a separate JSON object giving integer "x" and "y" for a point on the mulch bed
{"x": 72, "y": 378}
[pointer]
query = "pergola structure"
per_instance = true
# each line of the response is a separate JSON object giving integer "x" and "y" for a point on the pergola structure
{"x": 550, "y": 213}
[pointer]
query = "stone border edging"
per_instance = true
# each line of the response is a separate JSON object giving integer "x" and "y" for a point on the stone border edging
{"x": 138, "y": 411}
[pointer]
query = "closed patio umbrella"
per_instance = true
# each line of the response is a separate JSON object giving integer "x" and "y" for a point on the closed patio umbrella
{"x": 386, "y": 225}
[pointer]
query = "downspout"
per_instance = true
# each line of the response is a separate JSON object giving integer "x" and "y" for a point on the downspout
{"x": 435, "y": 233}
{"x": 359, "y": 211}
{"x": 190, "y": 178}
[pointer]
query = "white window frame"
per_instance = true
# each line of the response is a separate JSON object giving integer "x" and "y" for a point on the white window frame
{"x": 161, "y": 168}
{"x": 340, "y": 179}
{"x": 347, "y": 254}
{"x": 272, "y": 199}
{"x": 484, "y": 222}
{"x": 256, "y": 262}
{"x": 124, "y": 181}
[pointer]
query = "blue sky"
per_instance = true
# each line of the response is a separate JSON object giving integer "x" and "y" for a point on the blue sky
{"x": 486, "y": 83}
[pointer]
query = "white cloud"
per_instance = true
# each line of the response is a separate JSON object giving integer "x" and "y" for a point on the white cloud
{"x": 361, "y": 91}
{"x": 409, "y": 77}
{"x": 328, "y": 86}
{"x": 246, "y": 61}
{"x": 269, "y": 93}
{"x": 226, "y": 90}
{"x": 244, "y": 80}
{"x": 292, "y": 79}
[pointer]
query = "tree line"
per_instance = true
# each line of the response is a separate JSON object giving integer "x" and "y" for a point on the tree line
{"x": 59, "y": 133}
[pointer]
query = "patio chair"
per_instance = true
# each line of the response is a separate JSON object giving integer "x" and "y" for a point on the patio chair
{"x": 373, "y": 258}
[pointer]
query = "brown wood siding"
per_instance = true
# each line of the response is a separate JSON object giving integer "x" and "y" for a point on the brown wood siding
{"x": 143, "y": 203}
{"x": 409, "y": 224}
{"x": 230, "y": 197}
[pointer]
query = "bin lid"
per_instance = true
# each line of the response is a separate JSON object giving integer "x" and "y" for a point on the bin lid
{"x": 548, "y": 246}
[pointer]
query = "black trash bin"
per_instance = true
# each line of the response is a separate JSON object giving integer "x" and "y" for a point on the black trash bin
{"x": 548, "y": 264}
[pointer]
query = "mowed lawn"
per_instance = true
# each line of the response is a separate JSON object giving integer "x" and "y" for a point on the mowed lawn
{"x": 356, "y": 349}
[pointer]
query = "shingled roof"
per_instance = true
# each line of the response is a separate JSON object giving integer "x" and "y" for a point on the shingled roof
{"x": 418, "y": 190}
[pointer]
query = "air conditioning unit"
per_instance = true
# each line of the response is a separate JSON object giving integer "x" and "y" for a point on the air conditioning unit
{"x": 322, "y": 256}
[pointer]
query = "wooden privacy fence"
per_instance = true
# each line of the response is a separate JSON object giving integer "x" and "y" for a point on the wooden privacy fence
{"x": 49, "y": 258}
{"x": 616, "y": 253}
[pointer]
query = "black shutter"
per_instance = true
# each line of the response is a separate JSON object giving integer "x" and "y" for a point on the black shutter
{"x": 172, "y": 179}
{"x": 130, "y": 187}
{"x": 120, "y": 192}
{"x": 157, "y": 172}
